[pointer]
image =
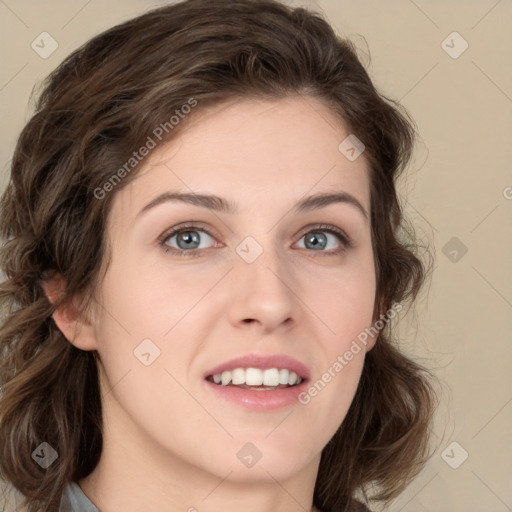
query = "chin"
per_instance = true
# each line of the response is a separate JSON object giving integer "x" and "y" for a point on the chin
{"x": 263, "y": 461}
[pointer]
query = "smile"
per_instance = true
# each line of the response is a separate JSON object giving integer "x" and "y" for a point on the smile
{"x": 256, "y": 378}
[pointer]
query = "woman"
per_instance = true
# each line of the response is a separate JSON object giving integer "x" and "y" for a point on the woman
{"x": 203, "y": 255}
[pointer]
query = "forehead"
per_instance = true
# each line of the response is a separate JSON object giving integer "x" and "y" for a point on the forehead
{"x": 248, "y": 149}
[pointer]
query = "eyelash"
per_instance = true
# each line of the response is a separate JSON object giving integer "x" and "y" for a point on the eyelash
{"x": 327, "y": 228}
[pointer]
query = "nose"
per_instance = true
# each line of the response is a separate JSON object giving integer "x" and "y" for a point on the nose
{"x": 263, "y": 293}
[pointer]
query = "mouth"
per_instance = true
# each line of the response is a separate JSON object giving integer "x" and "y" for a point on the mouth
{"x": 259, "y": 382}
{"x": 257, "y": 379}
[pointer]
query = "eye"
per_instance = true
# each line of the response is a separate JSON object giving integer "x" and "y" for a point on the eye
{"x": 190, "y": 240}
{"x": 187, "y": 238}
{"x": 321, "y": 239}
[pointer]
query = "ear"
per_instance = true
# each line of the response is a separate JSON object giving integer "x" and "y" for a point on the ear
{"x": 77, "y": 330}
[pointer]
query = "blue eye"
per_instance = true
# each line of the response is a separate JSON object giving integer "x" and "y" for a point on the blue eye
{"x": 317, "y": 240}
{"x": 187, "y": 239}
{"x": 190, "y": 240}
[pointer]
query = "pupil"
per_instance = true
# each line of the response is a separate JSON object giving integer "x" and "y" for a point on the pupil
{"x": 187, "y": 237}
{"x": 313, "y": 239}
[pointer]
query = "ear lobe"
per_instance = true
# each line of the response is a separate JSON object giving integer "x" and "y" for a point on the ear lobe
{"x": 74, "y": 327}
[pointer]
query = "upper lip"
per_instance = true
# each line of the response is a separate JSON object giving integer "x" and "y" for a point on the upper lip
{"x": 262, "y": 361}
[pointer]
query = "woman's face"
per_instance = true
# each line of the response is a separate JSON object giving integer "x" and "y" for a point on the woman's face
{"x": 268, "y": 281}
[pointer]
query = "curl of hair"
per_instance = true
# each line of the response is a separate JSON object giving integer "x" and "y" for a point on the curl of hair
{"x": 103, "y": 102}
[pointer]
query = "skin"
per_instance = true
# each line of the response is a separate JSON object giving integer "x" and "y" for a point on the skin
{"x": 169, "y": 442}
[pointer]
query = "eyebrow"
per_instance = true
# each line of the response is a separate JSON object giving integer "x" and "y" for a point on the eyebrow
{"x": 220, "y": 204}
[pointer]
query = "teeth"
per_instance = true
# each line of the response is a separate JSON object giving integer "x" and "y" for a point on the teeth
{"x": 271, "y": 377}
{"x": 292, "y": 378}
{"x": 225, "y": 378}
{"x": 238, "y": 376}
{"x": 256, "y": 377}
{"x": 253, "y": 377}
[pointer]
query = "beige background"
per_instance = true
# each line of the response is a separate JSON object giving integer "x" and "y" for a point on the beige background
{"x": 460, "y": 186}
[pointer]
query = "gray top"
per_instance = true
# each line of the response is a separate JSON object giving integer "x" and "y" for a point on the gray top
{"x": 74, "y": 500}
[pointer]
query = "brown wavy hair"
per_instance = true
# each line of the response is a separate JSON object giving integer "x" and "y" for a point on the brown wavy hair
{"x": 101, "y": 103}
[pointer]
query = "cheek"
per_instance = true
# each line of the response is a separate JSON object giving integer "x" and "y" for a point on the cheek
{"x": 343, "y": 300}
{"x": 145, "y": 315}
{"x": 344, "y": 303}
{"x": 346, "y": 312}
{"x": 148, "y": 301}
{"x": 327, "y": 399}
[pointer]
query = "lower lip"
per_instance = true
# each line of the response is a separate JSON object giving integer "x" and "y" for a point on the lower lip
{"x": 259, "y": 400}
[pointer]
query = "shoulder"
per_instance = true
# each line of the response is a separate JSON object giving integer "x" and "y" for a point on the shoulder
{"x": 11, "y": 500}
{"x": 73, "y": 500}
